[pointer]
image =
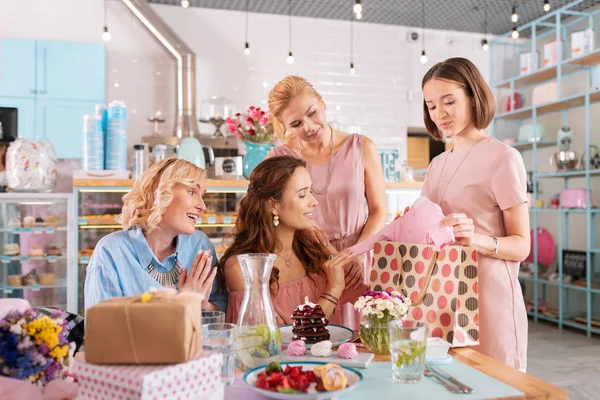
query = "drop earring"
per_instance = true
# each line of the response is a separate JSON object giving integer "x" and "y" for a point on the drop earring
{"x": 276, "y": 220}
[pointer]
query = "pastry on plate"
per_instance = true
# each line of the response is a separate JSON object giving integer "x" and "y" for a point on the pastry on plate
{"x": 39, "y": 221}
{"x": 11, "y": 249}
{"x": 28, "y": 222}
{"x": 53, "y": 251}
{"x": 14, "y": 280}
{"x": 52, "y": 221}
{"x": 47, "y": 279}
{"x": 14, "y": 222}
{"x": 310, "y": 323}
{"x": 36, "y": 251}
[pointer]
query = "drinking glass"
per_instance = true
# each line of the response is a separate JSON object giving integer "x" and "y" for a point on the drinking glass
{"x": 408, "y": 342}
{"x": 221, "y": 337}
{"x": 213, "y": 317}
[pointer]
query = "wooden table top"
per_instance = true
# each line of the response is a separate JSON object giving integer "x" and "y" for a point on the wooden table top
{"x": 533, "y": 387}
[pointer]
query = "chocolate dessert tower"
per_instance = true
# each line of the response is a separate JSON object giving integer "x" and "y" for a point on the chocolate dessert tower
{"x": 310, "y": 323}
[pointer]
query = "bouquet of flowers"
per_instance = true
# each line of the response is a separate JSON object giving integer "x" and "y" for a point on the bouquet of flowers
{"x": 378, "y": 309}
{"x": 33, "y": 347}
{"x": 253, "y": 126}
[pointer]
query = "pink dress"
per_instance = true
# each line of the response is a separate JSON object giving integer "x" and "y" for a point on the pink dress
{"x": 291, "y": 294}
{"x": 481, "y": 184}
{"x": 342, "y": 210}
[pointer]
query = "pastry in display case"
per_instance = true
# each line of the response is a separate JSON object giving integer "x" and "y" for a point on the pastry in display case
{"x": 36, "y": 243}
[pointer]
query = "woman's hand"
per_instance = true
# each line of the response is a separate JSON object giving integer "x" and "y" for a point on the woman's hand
{"x": 200, "y": 278}
{"x": 462, "y": 226}
{"x": 355, "y": 271}
{"x": 335, "y": 272}
{"x": 405, "y": 211}
{"x": 319, "y": 235}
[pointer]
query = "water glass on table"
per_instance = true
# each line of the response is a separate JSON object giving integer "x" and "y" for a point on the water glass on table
{"x": 408, "y": 342}
{"x": 213, "y": 317}
{"x": 221, "y": 337}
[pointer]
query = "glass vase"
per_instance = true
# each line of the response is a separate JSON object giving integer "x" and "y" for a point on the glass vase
{"x": 255, "y": 154}
{"x": 373, "y": 333}
{"x": 258, "y": 341}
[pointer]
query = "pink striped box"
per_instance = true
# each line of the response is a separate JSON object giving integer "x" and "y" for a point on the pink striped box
{"x": 197, "y": 379}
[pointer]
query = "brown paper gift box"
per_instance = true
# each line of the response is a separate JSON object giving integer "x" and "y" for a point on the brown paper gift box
{"x": 124, "y": 330}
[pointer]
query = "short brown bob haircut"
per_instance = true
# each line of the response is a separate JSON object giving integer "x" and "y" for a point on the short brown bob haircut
{"x": 465, "y": 74}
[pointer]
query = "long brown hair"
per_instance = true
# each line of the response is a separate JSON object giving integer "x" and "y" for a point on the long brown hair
{"x": 465, "y": 74}
{"x": 254, "y": 231}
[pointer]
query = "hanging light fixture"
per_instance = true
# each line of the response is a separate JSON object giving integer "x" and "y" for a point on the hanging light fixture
{"x": 484, "y": 42}
{"x": 423, "y": 57}
{"x": 185, "y": 3}
{"x": 352, "y": 70}
{"x": 106, "y": 36}
{"x": 514, "y": 16}
{"x": 546, "y": 5}
{"x": 290, "y": 57}
{"x": 358, "y": 9}
{"x": 515, "y": 33}
{"x": 247, "y": 47}
{"x": 359, "y": 16}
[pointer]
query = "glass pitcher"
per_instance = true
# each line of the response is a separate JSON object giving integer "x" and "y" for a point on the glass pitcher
{"x": 259, "y": 340}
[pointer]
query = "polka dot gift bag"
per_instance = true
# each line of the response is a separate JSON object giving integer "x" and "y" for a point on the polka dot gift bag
{"x": 442, "y": 286}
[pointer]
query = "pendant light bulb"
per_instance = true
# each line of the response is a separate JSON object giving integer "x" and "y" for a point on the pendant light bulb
{"x": 185, "y": 3}
{"x": 352, "y": 70}
{"x": 247, "y": 49}
{"x": 358, "y": 9}
{"x": 546, "y": 5}
{"x": 359, "y": 16}
{"x": 290, "y": 58}
{"x": 514, "y": 17}
{"x": 485, "y": 45}
{"x": 423, "y": 57}
{"x": 106, "y": 36}
{"x": 515, "y": 33}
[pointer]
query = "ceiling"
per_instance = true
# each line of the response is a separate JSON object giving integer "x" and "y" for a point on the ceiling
{"x": 458, "y": 15}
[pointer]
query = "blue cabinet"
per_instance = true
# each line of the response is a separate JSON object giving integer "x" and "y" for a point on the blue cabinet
{"x": 17, "y": 67}
{"x": 73, "y": 71}
{"x": 61, "y": 122}
{"x": 53, "y": 84}
{"x": 26, "y": 121}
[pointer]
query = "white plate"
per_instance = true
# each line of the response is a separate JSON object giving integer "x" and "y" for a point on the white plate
{"x": 338, "y": 334}
{"x": 354, "y": 377}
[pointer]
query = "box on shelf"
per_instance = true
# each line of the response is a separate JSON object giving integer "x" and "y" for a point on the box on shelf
{"x": 551, "y": 56}
{"x": 101, "y": 174}
{"x": 528, "y": 62}
{"x": 161, "y": 329}
{"x": 196, "y": 379}
{"x": 544, "y": 93}
{"x": 582, "y": 42}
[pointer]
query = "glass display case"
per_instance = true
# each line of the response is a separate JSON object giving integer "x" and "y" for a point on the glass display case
{"x": 37, "y": 260}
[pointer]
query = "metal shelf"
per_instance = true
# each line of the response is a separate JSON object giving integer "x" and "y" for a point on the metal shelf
{"x": 568, "y": 174}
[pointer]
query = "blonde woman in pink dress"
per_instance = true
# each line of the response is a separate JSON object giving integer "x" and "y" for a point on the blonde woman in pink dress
{"x": 345, "y": 169}
{"x": 480, "y": 185}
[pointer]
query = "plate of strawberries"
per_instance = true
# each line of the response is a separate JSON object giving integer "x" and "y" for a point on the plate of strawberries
{"x": 302, "y": 380}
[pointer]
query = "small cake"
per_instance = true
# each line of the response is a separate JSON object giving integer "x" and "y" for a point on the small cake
{"x": 39, "y": 221}
{"x": 14, "y": 222}
{"x": 36, "y": 251}
{"x": 52, "y": 221}
{"x": 310, "y": 324}
{"x": 47, "y": 279}
{"x": 14, "y": 280}
{"x": 330, "y": 377}
{"x": 53, "y": 251}
{"x": 31, "y": 278}
{"x": 11, "y": 249}
{"x": 28, "y": 222}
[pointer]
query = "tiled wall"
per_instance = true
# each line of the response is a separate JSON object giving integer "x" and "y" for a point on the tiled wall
{"x": 381, "y": 100}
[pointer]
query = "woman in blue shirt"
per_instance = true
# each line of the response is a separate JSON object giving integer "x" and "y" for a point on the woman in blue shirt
{"x": 160, "y": 246}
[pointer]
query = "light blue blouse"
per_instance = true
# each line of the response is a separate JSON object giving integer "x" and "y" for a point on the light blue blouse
{"x": 119, "y": 266}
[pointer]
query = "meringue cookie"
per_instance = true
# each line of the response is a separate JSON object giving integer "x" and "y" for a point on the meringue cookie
{"x": 296, "y": 348}
{"x": 347, "y": 351}
{"x": 321, "y": 349}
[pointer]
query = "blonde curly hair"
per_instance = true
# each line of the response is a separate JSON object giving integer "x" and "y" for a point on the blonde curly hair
{"x": 152, "y": 193}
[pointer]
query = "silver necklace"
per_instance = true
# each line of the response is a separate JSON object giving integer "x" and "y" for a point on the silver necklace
{"x": 437, "y": 188}
{"x": 166, "y": 279}
{"x": 324, "y": 191}
{"x": 288, "y": 262}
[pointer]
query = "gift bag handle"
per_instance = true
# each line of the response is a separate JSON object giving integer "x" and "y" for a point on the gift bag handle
{"x": 427, "y": 280}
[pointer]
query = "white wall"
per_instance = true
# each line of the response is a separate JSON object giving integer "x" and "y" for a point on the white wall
{"x": 375, "y": 101}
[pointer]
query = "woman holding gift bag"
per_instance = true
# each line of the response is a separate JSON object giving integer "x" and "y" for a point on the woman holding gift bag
{"x": 160, "y": 246}
{"x": 480, "y": 184}
{"x": 275, "y": 217}
{"x": 347, "y": 213}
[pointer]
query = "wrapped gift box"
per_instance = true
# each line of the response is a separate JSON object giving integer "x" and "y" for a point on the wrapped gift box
{"x": 163, "y": 330}
{"x": 196, "y": 379}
